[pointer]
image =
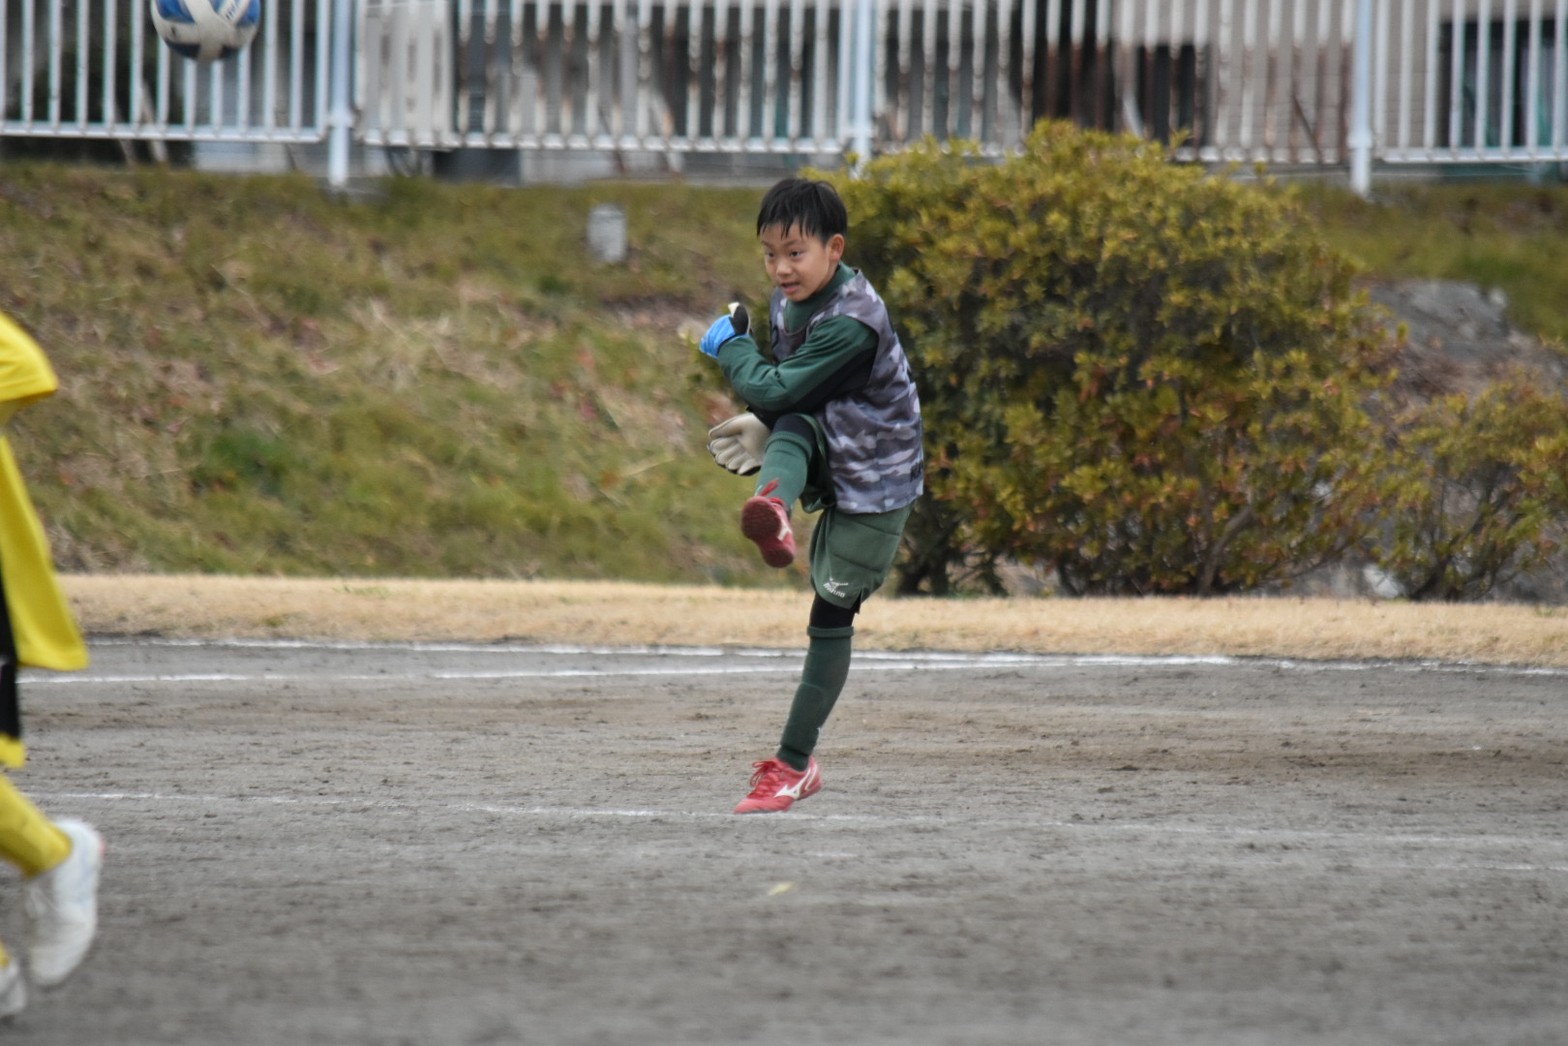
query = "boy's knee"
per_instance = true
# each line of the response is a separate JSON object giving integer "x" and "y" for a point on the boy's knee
{"x": 831, "y": 621}
{"x": 797, "y": 426}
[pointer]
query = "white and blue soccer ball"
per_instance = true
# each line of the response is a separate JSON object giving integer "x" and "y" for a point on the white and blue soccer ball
{"x": 206, "y": 30}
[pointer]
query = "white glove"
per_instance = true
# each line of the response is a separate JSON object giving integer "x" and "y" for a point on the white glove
{"x": 737, "y": 444}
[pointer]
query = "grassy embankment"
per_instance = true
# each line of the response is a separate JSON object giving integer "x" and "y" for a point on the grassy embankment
{"x": 438, "y": 382}
{"x": 261, "y": 380}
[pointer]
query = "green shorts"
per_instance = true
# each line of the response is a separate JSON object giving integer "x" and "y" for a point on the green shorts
{"x": 852, "y": 552}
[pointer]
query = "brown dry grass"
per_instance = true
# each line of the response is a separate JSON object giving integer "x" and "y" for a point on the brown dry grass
{"x": 619, "y": 613}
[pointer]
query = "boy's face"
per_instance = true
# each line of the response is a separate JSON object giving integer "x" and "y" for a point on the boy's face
{"x": 799, "y": 265}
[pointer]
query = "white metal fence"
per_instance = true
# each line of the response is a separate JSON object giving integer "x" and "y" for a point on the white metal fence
{"x": 1315, "y": 82}
{"x": 94, "y": 69}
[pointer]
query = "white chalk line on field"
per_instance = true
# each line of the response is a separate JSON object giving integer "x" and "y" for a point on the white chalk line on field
{"x": 521, "y": 673}
{"x": 1365, "y": 845}
{"x": 777, "y": 661}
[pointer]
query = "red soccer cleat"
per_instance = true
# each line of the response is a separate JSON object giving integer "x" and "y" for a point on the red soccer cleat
{"x": 776, "y": 785}
{"x": 765, "y": 520}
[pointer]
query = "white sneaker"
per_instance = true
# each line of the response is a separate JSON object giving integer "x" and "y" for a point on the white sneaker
{"x": 13, "y": 990}
{"x": 62, "y": 905}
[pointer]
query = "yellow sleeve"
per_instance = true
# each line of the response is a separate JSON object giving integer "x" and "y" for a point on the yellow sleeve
{"x": 25, "y": 374}
{"x": 41, "y": 619}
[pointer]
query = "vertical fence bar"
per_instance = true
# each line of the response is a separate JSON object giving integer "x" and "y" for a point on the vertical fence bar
{"x": 794, "y": 101}
{"x": 1053, "y": 57}
{"x": 770, "y": 74}
{"x": 625, "y": 72}
{"x": 1320, "y": 77}
{"x": 1103, "y": 68}
{"x": 979, "y": 18}
{"x": 1300, "y": 129}
{"x": 1129, "y": 109}
{"x": 161, "y": 88}
{"x": 572, "y": 122}
{"x": 865, "y": 31}
{"x": 1276, "y": 139}
{"x": 1178, "y": 26}
{"x": 1203, "y": 46}
{"x": 523, "y": 106}
{"x": 463, "y": 71}
{"x": 592, "y": 119}
{"x": 689, "y": 74}
{"x": 1485, "y": 91}
{"x": 1026, "y": 60}
{"x": 108, "y": 104}
{"x": 822, "y": 136}
{"x": 1506, "y": 90}
{"x": 1483, "y": 75}
{"x": 29, "y": 59}
{"x": 746, "y": 128}
{"x": 269, "y": 70}
{"x": 1077, "y": 38}
{"x": 953, "y": 92}
{"x": 297, "y": 59}
{"x": 1433, "y": 61}
{"x": 1361, "y": 102}
{"x": 1559, "y": 77}
{"x": 1380, "y": 77}
{"x": 242, "y": 109}
{"x": 1249, "y": 77}
{"x": 137, "y": 110}
{"x": 645, "y": 77}
{"x": 1341, "y": 83}
{"x": 54, "y": 102}
{"x": 215, "y": 92}
{"x": 925, "y": 54}
{"x": 843, "y": 120}
{"x": 1223, "y": 45}
{"x": 341, "y": 123}
{"x": 83, "y": 60}
{"x": 1407, "y": 50}
{"x": 1532, "y": 85}
{"x": 1456, "y": 76}
{"x": 481, "y": 51}
{"x": 5, "y": 62}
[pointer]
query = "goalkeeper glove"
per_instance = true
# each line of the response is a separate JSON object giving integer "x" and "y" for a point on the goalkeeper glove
{"x": 738, "y": 444}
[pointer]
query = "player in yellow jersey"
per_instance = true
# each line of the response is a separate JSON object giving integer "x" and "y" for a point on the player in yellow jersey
{"x": 59, "y": 860}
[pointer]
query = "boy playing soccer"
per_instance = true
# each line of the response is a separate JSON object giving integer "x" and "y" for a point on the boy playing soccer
{"x": 834, "y": 423}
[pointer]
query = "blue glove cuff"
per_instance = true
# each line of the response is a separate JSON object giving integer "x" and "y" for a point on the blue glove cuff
{"x": 723, "y": 330}
{"x": 731, "y": 325}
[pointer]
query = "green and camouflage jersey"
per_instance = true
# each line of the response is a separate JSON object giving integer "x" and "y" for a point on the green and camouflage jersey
{"x": 874, "y": 435}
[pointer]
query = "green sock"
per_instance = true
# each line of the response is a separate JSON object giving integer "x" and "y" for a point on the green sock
{"x": 821, "y": 681}
{"x": 786, "y": 461}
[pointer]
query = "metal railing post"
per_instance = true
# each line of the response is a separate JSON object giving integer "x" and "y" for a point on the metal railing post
{"x": 865, "y": 30}
{"x": 1361, "y": 138}
{"x": 340, "y": 116}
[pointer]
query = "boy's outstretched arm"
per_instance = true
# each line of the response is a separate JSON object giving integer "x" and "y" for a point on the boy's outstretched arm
{"x": 835, "y": 360}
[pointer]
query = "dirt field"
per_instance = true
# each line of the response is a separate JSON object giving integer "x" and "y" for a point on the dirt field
{"x": 494, "y": 844}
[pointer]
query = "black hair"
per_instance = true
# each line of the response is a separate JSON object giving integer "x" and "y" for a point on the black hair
{"x": 814, "y": 207}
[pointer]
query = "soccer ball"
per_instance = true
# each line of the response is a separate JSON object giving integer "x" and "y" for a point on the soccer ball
{"x": 206, "y": 30}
